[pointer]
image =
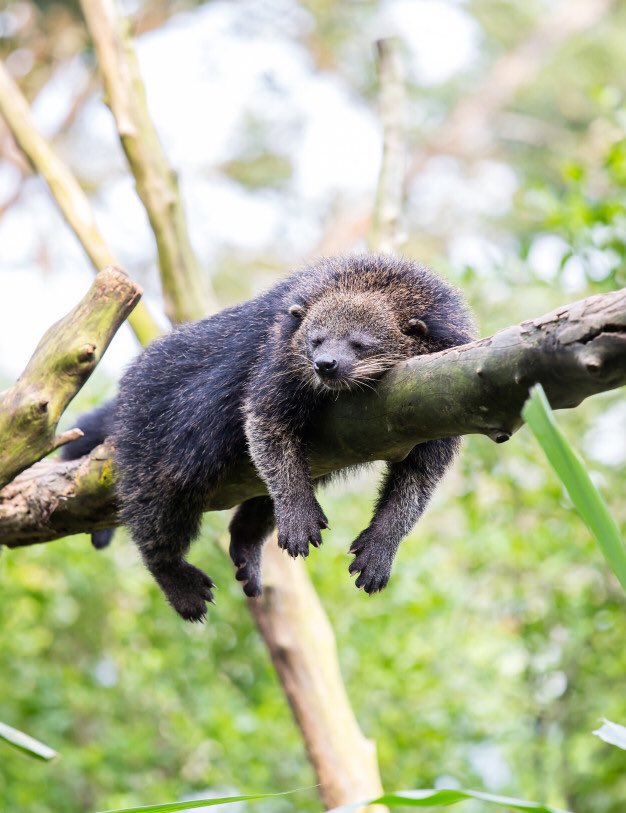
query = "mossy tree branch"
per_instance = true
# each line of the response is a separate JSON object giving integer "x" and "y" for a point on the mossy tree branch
{"x": 63, "y": 360}
{"x": 66, "y": 191}
{"x": 186, "y": 294}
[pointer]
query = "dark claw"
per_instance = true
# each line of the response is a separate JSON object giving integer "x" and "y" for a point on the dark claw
{"x": 372, "y": 563}
{"x": 186, "y": 588}
{"x": 300, "y": 527}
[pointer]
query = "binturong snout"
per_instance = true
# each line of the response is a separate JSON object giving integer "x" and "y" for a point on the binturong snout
{"x": 333, "y": 362}
{"x": 326, "y": 366}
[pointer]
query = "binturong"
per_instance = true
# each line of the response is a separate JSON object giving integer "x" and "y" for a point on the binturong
{"x": 254, "y": 379}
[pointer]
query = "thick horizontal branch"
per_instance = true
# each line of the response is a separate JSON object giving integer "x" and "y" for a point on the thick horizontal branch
{"x": 63, "y": 360}
{"x": 480, "y": 388}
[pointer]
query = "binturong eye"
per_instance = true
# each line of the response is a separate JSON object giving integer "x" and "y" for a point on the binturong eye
{"x": 297, "y": 311}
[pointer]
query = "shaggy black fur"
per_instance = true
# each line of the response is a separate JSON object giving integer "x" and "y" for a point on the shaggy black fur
{"x": 252, "y": 379}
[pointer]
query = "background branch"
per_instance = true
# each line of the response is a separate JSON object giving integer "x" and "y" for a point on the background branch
{"x": 66, "y": 191}
{"x": 63, "y": 360}
{"x": 185, "y": 290}
{"x": 386, "y": 234}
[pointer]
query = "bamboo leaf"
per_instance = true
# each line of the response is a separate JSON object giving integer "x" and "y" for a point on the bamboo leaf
{"x": 584, "y": 495}
{"x": 29, "y": 745}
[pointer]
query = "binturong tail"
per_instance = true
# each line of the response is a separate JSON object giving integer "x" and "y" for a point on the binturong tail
{"x": 96, "y": 426}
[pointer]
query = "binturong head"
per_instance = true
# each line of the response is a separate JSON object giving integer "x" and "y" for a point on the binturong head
{"x": 348, "y": 341}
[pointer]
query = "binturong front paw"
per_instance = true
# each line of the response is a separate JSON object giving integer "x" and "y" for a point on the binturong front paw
{"x": 186, "y": 588}
{"x": 298, "y": 526}
{"x": 372, "y": 561}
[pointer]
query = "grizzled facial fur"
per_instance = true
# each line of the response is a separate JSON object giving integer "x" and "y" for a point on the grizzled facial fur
{"x": 347, "y": 340}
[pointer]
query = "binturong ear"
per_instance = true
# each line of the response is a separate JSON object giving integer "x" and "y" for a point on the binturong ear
{"x": 416, "y": 327}
{"x": 297, "y": 311}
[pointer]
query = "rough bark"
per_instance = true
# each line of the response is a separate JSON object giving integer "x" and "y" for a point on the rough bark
{"x": 66, "y": 191}
{"x": 63, "y": 360}
{"x": 575, "y": 351}
{"x": 185, "y": 292}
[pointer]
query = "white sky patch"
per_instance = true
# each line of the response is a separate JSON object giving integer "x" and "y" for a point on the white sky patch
{"x": 474, "y": 251}
{"x": 55, "y": 101}
{"x": 546, "y": 255}
{"x": 446, "y": 194}
{"x": 606, "y": 439}
{"x": 341, "y": 145}
{"x": 442, "y": 39}
{"x": 31, "y": 301}
{"x": 10, "y": 180}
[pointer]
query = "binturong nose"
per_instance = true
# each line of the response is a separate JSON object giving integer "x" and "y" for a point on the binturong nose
{"x": 326, "y": 366}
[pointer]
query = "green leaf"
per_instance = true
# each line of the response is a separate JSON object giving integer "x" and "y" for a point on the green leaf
{"x": 29, "y": 745}
{"x": 613, "y": 733}
{"x": 584, "y": 495}
{"x": 443, "y": 798}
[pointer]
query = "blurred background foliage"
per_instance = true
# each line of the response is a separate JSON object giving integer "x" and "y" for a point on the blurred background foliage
{"x": 499, "y": 642}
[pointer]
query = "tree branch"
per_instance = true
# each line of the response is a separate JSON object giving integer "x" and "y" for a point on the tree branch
{"x": 386, "y": 234}
{"x": 63, "y": 360}
{"x": 66, "y": 191}
{"x": 302, "y": 645}
{"x": 186, "y": 293}
{"x": 575, "y": 351}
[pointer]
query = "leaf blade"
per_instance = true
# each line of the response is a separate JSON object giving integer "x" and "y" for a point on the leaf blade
{"x": 572, "y": 472}
{"x": 432, "y": 797}
{"x": 613, "y": 733}
{"x": 27, "y": 744}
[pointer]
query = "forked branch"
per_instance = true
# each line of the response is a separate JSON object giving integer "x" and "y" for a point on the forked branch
{"x": 63, "y": 360}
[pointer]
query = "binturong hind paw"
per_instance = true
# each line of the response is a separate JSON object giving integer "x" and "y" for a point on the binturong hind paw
{"x": 247, "y": 560}
{"x": 102, "y": 539}
{"x": 186, "y": 588}
{"x": 372, "y": 562}
{"x": 299, "y": 526}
